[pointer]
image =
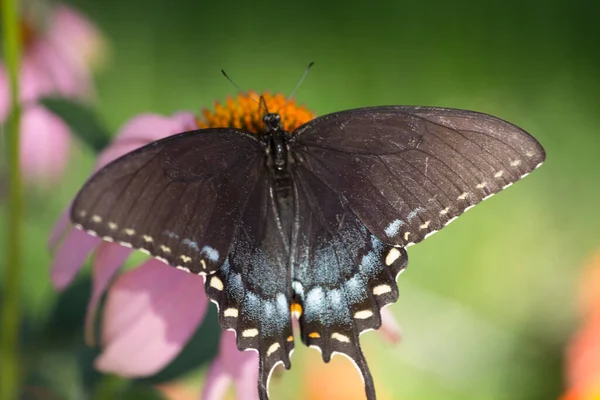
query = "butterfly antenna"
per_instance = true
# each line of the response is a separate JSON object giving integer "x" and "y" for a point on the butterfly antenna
{"x": 263, "y": 104}
{"x": 300, "y": 81}
{"x": 239, "y": 88}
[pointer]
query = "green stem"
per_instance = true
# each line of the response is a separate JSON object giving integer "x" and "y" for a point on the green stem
{"x": 10, "y": 368}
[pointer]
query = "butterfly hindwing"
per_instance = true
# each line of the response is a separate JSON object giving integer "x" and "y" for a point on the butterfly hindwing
{"x": 178, "y": 199}
{"x": 409, "y": 171}
{"x": 252, "y": 288}
{"x": 342, "y": 274}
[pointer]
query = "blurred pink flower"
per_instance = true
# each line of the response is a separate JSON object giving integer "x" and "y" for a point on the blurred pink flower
{"x": 151, "y": 311}
{"x": 56, "y": 61}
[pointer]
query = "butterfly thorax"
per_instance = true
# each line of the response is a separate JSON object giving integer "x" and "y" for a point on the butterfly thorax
{"x": 276, "y": 137}
{"x": 278, "y": 165}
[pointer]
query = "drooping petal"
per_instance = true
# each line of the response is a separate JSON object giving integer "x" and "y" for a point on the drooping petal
{"x": 390, "y": 329}
{"x": 70, "y": 257}
{"x": 59, "y": 229}
{"x": 142, "y": 130}
{"x": 217, "y": 381}
{"x": 44, "y": 145}
{"x": 247, "y": 376}
{"x": 150, "y": 314}
{"x": 108, "y": 260}
{"x": 67, "y": 81}
{"x": 34, "y": 81}
{"x": 150, "y": 127}
{"x": 232, "y": 365}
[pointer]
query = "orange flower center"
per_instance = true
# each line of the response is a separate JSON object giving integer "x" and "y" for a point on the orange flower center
{"x": 244, "y": 113}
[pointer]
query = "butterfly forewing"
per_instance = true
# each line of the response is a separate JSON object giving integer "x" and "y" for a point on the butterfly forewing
{"x": 179, "y": 199}
{"x": 409, "y": 171}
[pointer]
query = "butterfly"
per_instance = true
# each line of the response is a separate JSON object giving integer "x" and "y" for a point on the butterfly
{"x": 311, "y": 224}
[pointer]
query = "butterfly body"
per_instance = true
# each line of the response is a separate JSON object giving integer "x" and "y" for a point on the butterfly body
{"x": 311, "y": 224}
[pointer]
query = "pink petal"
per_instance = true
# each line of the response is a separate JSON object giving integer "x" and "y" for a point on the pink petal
{"x": 150, "y": 314}
{"x": 235, "y": 360}
{"x": 246, "y": 380}
{"x": 116, "y": 150}
{"x": 142, "y": 130}
{"x": 44, "y": 146}
{"x": 150, "y": 127}
{"x": 390, "y": 329}
{"x": 67, "y": 80}
{"x": 76, "y": 35}
{"x": 59, "y": 229}
{"x": 217, "y": 381}
{"x": 34, "y": 81}
{"x": 70, "y": 257}
{"x": 109, "y": 258}
{"x": 232, "y": 364}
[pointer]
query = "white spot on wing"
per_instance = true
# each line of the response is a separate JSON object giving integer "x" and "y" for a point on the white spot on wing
{"x": 515, "y": 163}
{"x": 231, "y": 312}
{"x": 425, "y": 225}
{"x": 272, "y": 349}
{"x": 298, "y": 289}
{"x": 250, "y": 333}
{"x": 340, "y": 338}
{"x": 392, "y": 256}
{"x": 364, "y": 314}
{"x": 216, "y": 283}
{"x": 381, "y": 289}
{"x": 462, "y": 196}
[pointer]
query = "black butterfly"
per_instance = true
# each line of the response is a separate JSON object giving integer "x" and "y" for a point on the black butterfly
{"x": 312, "y": 223}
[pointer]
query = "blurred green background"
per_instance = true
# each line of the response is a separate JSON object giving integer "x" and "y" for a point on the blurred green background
{"x": 487, "y": 305}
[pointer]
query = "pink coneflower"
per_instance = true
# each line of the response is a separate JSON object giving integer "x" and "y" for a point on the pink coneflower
{"x": 152, "y": 311}
{"x": 57, "y": 60}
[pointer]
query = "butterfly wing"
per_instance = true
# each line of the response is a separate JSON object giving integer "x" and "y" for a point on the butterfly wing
{"x": 342, "y": 275}
{"x": 178, "y": 199}
{"x": 252, "y": 289}
{"x": 409, "y": 171}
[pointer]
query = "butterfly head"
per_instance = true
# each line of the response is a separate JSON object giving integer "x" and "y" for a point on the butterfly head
{"x": 272, "y": 123}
